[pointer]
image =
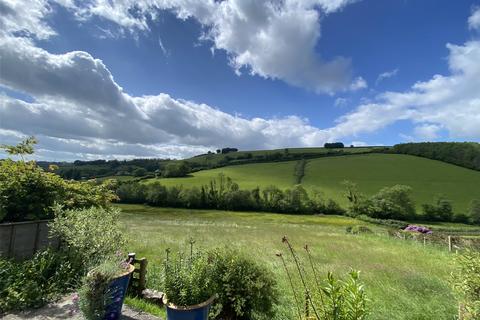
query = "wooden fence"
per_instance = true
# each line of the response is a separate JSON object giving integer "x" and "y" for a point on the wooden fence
{"x": 20, "y": 240}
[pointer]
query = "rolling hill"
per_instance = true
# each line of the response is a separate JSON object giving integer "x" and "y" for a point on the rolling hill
{"x": 370, "y": 171}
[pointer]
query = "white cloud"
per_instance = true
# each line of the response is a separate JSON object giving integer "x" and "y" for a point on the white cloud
{"x": 341, "y": 102}
{"x": 272, "y": 39}
{"x": 76, "y": 99}
{"x": 25, "y": 17}
{"x": 386, "y": 75}
{"x": 474, "y": 19}
{"x": 449, "y": 102}
{"x": 427, "y": 132}
{"x": 358, "y": 83}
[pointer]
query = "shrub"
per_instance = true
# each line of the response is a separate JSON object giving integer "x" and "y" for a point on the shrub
{"x": 440, "y": 210}
{"x": 466, "y": 284}
{"x": 88, "y": 235}
{"x": 188, "y": 280}
{"x": 34, "y": 282}
{"x": 389, "y": 203}
{"x": 27, "y": 192}
{"x": 95, "y": 294}
{"x": 245, "y": 290}
{"x": 358, "y": 229}
{"x": 475, "y": 211}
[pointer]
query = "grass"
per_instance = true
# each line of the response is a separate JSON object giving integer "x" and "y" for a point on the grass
{"x": 214, "y": 159}
{"x": 370, "y": 171}
{"x": 404, "y": 280}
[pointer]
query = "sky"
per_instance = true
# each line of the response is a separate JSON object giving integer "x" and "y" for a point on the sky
{"x": 120, "y": 79}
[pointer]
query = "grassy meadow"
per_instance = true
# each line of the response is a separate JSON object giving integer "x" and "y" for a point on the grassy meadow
{"x": 404, "y": 280}
{"x": 370, "y": 171}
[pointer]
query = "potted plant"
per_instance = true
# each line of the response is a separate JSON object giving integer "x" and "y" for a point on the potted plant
{"x": 103, "y": 290}
{"x": 188, "y": 287}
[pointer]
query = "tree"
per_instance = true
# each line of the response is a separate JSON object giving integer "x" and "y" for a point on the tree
{"x": 474, "y": 211}
{"x": 333, "y": 145}
{"x": 139, "y": 172}
{"x": 440, "y": 210}
{"x": 176, "y": 169}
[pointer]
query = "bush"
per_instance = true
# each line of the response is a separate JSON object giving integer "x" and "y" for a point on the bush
{"x": 245, "y": 290}
{"x": 96, "y": 294}
{"x": 358, "y": 229}
{"x": 33, "y": 283}
{"x": 389, "y": 203}
{"x": 466, "y": 284}
{"x": 187, "y": 280}
{"x": 88, "y": 235}
{"x": 440, "y": 210}
{"x": 475, "y": 211}
{"x": 27, "y": 192}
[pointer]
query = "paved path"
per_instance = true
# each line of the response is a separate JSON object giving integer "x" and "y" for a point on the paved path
{"x": 63, "y": 310}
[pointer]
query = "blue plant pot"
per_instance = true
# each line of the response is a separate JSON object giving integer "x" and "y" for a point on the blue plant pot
{"x": 117, "y": 290}
{"x": 196, "y": 312}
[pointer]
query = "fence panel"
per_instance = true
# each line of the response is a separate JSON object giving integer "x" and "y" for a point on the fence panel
{"x": 20, "y": 240}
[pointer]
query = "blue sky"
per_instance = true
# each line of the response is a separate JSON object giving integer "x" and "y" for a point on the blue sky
{"x": 100, "y": 80}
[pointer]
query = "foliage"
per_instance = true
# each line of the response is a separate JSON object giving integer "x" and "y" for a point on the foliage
{"x": 27, "y": 192}
{"x": 358, "y": 229}
{"x": 88, "y": 235}
{"x": 299, "y": 172}
{"x": 465, "y": 154}
{"x": 325, "y": 299}
{"x": 440, "y": 210}
{"x": 176, "y": 169}
{"x": 223, "y": 193}
{"x": 389, "y": 203}
{"x": 34, "y": 282}
{"x": 245, "y": 289}
{"x": 187, "y": 279}
{"x": 466, "y": 283}
{"x": 23, "y": 148}
{"x": 474, "y": 211}
{"x": 333, "y": 145}
{"x": 96, "y": 294}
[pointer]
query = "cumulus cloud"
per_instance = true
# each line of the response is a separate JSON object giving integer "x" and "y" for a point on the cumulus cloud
{"x": 77, "y": 99}
{"x": 386, "y": 75}
{"x": 450, "y": 102}
{"x": 474, "y": 19}
{"x": 25, "y": 17}
{"x": 272, "y": 39}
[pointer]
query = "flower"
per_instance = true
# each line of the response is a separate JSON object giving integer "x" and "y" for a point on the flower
{"x": 420, "y": 229}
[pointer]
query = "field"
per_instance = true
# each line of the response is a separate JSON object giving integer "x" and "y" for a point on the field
{"x": 370, "y": 171}
{"x": 214, "y": 159}
{"x": 404, "y": 279}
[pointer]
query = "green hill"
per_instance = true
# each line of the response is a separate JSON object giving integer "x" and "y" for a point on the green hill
{"x": 370, "y": 171}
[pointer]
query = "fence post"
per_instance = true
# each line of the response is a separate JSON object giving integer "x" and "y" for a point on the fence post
{"x": 142, "y": 277}
{"x": 424, "y": 241}
{"x": 449, "y": 243}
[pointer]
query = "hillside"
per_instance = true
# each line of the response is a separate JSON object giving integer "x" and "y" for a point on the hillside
{"x": 370, "y": 171}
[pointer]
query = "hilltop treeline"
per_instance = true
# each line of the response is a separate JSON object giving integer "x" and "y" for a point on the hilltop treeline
{"x": 465, "y": 154}
{"x": 178, "y": 168}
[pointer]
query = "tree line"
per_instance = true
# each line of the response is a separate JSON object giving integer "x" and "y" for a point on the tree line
{"x": 222, "y": 193}
{"x": 465, "y": 154}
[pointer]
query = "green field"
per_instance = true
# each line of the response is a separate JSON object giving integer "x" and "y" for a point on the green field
{"x": 370, "y": 171}
{"x": 214, "y": 159}
{"x": 404, "y": 280}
